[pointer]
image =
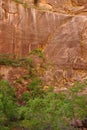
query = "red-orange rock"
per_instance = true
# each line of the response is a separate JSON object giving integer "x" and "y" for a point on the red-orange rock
{"x": 60, "y": 31}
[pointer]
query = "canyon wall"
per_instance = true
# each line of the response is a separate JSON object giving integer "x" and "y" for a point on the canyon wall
{"x": 58, "y": 27}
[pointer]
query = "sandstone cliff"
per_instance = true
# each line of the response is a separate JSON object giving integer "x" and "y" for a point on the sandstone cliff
{"x": 58, "y": 27}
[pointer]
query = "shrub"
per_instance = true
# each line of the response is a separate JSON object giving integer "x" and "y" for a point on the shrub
{"x": 39, "y": 53}
{"x": 44, "y": 110}
{"x": 8, "y": 107}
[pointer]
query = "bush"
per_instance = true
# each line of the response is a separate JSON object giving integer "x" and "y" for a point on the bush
{"x": 44, "y": 110}
{"x": 54, "y": 111}
{"x": 8, "y": 107}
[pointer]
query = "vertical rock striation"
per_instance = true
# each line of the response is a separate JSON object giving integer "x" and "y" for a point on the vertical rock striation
{"x": 58, "y": 27}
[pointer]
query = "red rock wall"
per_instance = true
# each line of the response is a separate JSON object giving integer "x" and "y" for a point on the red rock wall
{"x": 59, "y": 27}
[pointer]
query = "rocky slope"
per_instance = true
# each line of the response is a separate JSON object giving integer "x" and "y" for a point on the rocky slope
{"x": 58, "y": 27}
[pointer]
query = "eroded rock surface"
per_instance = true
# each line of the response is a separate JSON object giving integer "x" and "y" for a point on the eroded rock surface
{"x": 58, "y": 27}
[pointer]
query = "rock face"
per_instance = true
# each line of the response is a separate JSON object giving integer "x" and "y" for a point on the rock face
{"x": 58, "y": 27}
{"x": 79, "y": 2}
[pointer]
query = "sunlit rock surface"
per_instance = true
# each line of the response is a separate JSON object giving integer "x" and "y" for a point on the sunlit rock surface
{"x": 58, "y": 27}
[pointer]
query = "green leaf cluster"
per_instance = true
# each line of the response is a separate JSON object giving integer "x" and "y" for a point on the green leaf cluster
{"x": 43, "y": 110}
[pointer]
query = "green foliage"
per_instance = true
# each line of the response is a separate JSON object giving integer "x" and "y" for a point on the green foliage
{"x": 43, "y": 110}
{"x": 8, "y": 111}
{"x": 38, "y": 52}
{"x": 54, "y": 111}
{"x": 78, "y": 99}
{"x": 8, "y": 60}
{"x": 35, "y": 90}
